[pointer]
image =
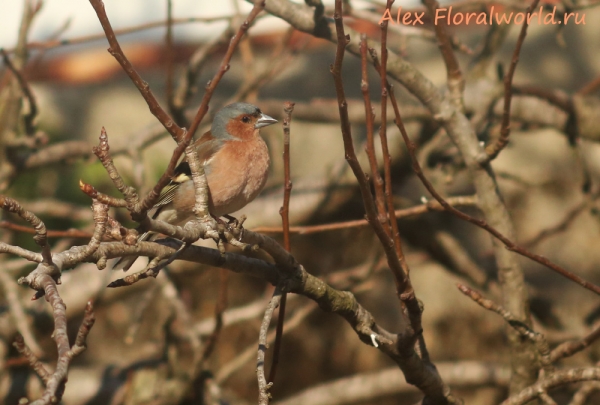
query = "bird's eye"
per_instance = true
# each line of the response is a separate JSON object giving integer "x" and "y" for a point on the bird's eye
{"x": 245, "y": 119}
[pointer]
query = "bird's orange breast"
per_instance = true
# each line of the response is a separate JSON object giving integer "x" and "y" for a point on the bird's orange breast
{"x": 237, "y": 173}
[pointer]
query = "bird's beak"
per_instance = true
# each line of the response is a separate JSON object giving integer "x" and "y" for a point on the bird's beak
{"x": 264, "y": 121}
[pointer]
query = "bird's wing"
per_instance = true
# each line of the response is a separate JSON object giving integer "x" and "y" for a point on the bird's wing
{"x": 205, "y": 147}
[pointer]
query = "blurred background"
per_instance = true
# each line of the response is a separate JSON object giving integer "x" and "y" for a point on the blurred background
{"x": 139, "y": 345}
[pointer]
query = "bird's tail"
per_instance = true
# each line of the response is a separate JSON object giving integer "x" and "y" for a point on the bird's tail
{"x": 125, "y": 262}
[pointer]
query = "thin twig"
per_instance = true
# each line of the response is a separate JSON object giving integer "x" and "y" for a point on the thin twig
{"x": 590, "y": 87}
{"x": 387, "y": 164}
{"x": 494, "y": 149}
{"x": 141, "y": 306}
{"x": 232, "y": 316}
{"x": 546, "y": 398}
{"x": 170, "y": 53}
{"x": 249, "y": 353}
{"x": 69, "y": 233}
{"x": 559, "y": 227}
{"x": 281, "y": 56}
{"x": 151, "y": 270}
{"x": 288, "y": 108}
{"x": 18, "y": 314}
{"x": 29, "y": 118}
{"x": 568, "y": 349}
{"x": 555, "y": 98}
{"x": 212, "y": 85}
{"x": 19, "y": 251}
{"x": 187, "y": 88}
{"x": 523, "y": 329}
{"x": 56, "y": 43}
{"x": 369, "y": 117}
{"x": 182, "y": 319}
{"x": 220, "y": 308}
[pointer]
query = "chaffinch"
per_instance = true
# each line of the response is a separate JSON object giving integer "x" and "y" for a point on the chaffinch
{"x": 236, "y": 163}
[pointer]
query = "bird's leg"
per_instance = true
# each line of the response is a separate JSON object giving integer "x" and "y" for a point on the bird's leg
{"x": 221, "y": 229}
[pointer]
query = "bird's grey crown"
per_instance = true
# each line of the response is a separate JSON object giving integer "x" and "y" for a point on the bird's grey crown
{"x": 228, "y": 112}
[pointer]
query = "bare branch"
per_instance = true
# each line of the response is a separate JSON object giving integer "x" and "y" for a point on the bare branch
{"x": 41, "y": 237}
{"x": 33, "y": 360}
{"x": 558, "y": 378}
{"x": 263, "y": 386}
{"x": 19, "y": 317}
{"x": 170, "y": 53}
{"x": 369, "y": 117}
{"x": 429, "y": 206}
{"x": 115, "y": 50}
{"x": 510, "y": 245}
{"x": 55, "y": 383}
{"x": 568, "y": 349}
{"x": 455, "y": 79}
{"x": 187, "y": 83}
{"x": 212, "y": 85}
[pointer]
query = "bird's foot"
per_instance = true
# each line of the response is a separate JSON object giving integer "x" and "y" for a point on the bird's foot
{"x": 231, "y": 232}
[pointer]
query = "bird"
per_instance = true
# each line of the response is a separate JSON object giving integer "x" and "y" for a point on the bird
{"x": 236, "y": 163}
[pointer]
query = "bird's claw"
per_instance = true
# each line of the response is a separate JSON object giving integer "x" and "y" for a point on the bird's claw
{"x": 231, "y": 232}
{"x": 236, "y": 226}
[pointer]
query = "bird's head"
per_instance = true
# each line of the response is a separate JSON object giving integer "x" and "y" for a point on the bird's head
{"x": 239, "y": 120}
